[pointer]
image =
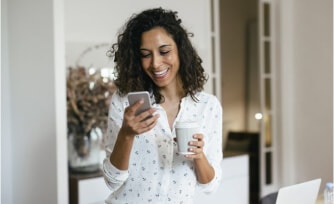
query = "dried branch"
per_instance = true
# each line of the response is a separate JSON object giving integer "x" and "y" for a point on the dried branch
{"x": 88, "y": 99}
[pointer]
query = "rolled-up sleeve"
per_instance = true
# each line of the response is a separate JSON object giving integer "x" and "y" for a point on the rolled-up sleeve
{"x": 113, "y": 177}
{"x": 213, "y": 145}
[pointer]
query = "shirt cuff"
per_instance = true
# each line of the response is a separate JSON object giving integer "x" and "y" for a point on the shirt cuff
{"x": 113, "y": 174}
{"x": 210, "y": 187}
{"x": 214, "y": 184}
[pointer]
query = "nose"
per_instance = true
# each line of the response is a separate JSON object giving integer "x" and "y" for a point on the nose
{"x": 156, "y": 60}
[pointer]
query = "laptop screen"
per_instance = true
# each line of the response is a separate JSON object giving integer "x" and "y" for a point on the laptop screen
{"x": 303, "y": 193}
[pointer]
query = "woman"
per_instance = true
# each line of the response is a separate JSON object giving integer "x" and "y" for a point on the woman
{"x": 154, "y": 54}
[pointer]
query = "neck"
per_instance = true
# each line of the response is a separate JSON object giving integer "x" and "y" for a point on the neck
{"x": 173, "y": 93}
{"x": 172, "y": 97}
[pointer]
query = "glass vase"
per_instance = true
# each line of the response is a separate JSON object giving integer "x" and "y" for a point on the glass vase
{"x": 84, "y": 151}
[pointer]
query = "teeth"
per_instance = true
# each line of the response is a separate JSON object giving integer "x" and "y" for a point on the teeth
{"x": 161, "y": 72}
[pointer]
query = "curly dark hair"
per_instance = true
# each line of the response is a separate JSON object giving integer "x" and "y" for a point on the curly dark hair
{"x": 128, "y": 69}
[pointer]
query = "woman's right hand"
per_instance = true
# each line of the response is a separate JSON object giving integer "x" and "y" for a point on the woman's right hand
{"x": 132, "y": 125}
{"x": 143, "y": 122}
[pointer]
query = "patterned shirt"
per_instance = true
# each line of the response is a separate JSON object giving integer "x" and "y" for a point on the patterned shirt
{"x": 157, "y": 173}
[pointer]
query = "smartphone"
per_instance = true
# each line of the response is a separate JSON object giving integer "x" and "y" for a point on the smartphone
{"x": 133, "y": 97}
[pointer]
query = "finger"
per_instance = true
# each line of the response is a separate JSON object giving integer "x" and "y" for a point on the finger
{"x": 137, "y": 124}
{"x": 146, "y": 114}
{"x": 197, "y": 144}
{"x": 149, "y": 124}
{"x": 198, "y": 136}
{"x": 132, "y": 109}
{"x": 198, "y": 153}
{"x": 195, "y": 150}
{"x": 149, "y": 120}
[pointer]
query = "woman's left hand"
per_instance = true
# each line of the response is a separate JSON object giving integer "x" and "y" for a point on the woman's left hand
{"x": 203, "y": 169}
{"x": 196, "y": 147}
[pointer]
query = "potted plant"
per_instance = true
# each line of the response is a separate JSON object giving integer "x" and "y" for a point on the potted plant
{"x": 88, "y": 99}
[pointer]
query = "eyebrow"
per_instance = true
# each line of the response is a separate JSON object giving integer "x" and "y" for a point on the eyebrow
{"x": 162, "y": 46}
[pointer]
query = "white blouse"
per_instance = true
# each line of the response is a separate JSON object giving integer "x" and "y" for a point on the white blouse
{"x": 157, "y": 173}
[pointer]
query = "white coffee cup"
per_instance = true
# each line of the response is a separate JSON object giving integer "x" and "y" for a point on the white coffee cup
{"x": 184, "y": 134}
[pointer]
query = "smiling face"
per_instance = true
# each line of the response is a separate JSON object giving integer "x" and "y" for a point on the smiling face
{"x": 159, "y": 57}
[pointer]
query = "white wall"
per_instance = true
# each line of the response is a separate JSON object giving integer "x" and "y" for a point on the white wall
{"x": 31, "y": 156}
{"x": 95, "y": 22}
{"x": 6, "y": 147}
{"x": 306, "y": 90}
{"x": 314, "y": 101}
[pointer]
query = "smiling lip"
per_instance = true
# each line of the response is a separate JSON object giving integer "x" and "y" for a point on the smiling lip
{"x": 160, "y": 74}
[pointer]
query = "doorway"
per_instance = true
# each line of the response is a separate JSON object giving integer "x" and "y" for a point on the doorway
{"x": 240, "y": 78}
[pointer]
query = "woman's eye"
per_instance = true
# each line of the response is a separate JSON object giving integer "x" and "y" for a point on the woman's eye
{"x": 144, "y": 55}
{"x": 164, "y": 52}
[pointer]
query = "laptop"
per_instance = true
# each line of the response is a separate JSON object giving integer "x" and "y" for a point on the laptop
{"x": 302, "y": 193}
